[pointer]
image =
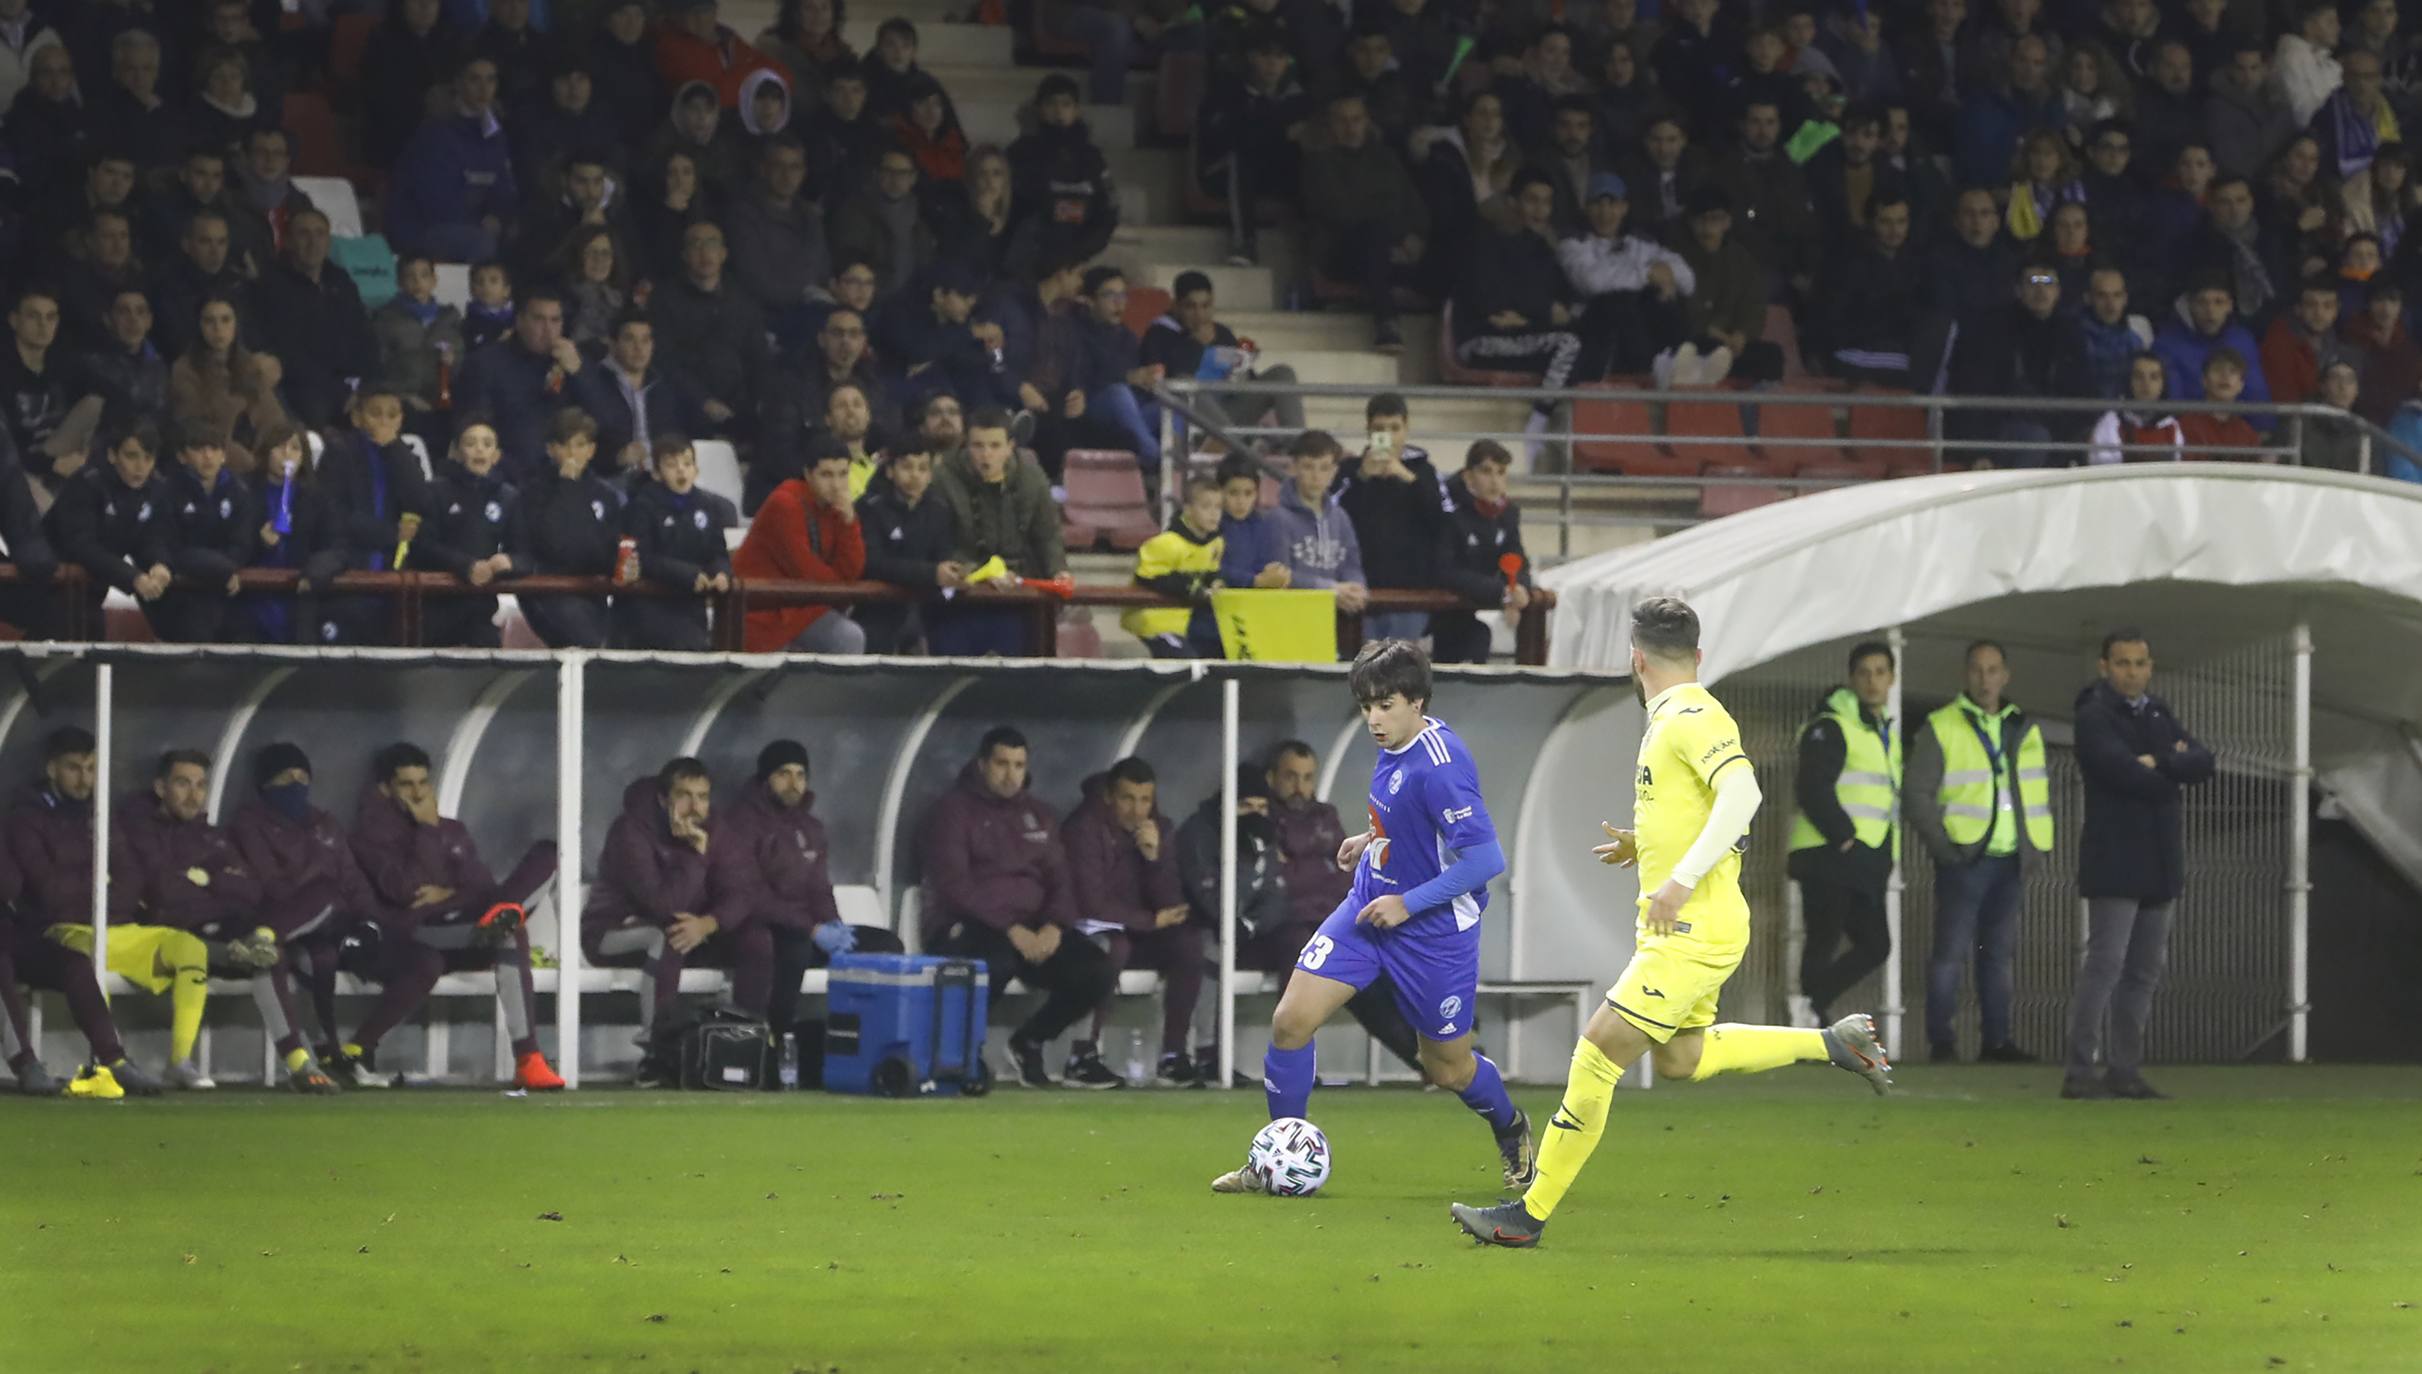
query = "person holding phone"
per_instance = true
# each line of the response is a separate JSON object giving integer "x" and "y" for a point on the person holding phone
{"x": 1393, "y": 496}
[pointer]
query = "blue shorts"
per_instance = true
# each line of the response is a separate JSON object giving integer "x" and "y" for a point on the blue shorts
{"x": 1434, "y": 967}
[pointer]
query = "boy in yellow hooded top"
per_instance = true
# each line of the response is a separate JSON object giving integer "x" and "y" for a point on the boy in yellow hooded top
{"x": 1182, "y": 561}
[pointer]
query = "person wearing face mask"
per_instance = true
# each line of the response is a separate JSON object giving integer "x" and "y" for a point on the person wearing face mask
{"x": 471, "y": 519}
{"x": 298, "y": 853}
{"x": 679, "y": 531}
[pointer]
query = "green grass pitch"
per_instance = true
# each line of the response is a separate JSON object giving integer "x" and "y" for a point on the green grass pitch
{"x": 2267, "y": 1219}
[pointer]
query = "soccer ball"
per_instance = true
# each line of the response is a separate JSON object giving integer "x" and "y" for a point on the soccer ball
{"x": 1292, "y": 1157}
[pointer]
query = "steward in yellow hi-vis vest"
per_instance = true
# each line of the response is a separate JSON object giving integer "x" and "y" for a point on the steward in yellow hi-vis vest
{"x": 1979, "y": 797}
{"x": 1846, "y": 834}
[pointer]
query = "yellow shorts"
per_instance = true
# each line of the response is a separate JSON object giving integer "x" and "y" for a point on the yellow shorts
{"x": 1671, "y": 986}
{"x": 146, "y": 956}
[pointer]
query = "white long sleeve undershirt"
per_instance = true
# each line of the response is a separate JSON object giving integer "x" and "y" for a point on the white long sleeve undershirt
{"x": 1736, "y": 804}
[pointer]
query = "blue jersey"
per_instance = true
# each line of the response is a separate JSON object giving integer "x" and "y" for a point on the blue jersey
{"x": 1426, "y": 811}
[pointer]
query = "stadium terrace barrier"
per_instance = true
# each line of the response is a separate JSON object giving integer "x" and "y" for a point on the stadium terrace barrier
{"x": 409, "y": 590}
{"x": 1665, "y": 472}
{"x": 539, "y": 745}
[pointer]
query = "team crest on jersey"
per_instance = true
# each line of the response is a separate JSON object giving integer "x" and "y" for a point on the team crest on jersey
{"x": 143, "y": 514}
{"x": 1448, "y": 1008}
{"x": 698, "y": 518}
{"x": 226, "y": 507}
{"x": 1395, "y": 782}
{"x": 597, "y": 508}
{"x": 495, "y": 512}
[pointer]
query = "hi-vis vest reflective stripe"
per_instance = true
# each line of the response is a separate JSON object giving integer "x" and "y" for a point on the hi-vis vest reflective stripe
{"x": 1869, "y": 788}
{"x": 1967, "y": 795}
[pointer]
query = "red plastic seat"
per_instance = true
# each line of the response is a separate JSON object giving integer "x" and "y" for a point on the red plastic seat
{"x": 319, "y": 147}
{"x": 1144, "y": 305}
{"x": 348, "y": 39}
{"x": 1814, "y": 422}
{"x": 1890, "y": 422}
{"x": 1183, "y": 77}
{"x": 1078, "y": 638}
{"x": 1106, "y": 493}
{"x": 1710, "y": 420}
{"x": 1720, "y": 499}
{"x": 1623, "y": 441}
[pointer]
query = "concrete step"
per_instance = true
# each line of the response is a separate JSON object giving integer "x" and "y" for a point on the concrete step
{"x": 995, "y": 118}
{"x": 1162, "y": 169}
{"x": 1240, "y": 288}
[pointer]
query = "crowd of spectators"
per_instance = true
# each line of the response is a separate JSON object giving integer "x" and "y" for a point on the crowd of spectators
{"x": 674, "y": 232}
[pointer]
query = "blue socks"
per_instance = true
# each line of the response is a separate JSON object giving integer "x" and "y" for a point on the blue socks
{"x": 1486, "y": 1095}
{"x": 1286, "y": 1078}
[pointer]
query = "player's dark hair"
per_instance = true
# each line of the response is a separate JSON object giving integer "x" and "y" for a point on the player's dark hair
{"x": 1488, "y": 451}
{"x": 1132, "y": 771}
{"x": 395, "y": 758}
{"x": 67, "y": 740}
{"x": 1869, "y": 648}
{"x": 1290, "y": 749}
{"x": 1236, "y": 467}
{"x": 1390, "y": 668}
{"x": 2123, "y": 634}
{"x": 1665, "y": 627}
{"x": 171, "y": 759}
{"x": 680, "y": 770}
{"x": 668, "y": 443}
{"x": 1000, "y": 737}
{"x": 988, "y": 417}
{"x": 1385, "y": 404}
{"x": 1994, "y": 644}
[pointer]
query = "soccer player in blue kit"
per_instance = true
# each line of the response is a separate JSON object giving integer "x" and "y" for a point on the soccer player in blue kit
{"x": 1421, "y": 875}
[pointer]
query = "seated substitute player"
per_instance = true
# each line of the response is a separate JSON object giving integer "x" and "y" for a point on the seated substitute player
{"x": 440, "y": 906}
{"x": 771, "y": 844}
{"x": 1695, "y": 794}
{"x": 1421, "y": 879}
{"x": 299, "y": 854}
{"x": 649, "y": 904}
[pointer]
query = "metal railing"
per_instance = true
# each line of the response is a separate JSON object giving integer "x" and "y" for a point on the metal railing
{"x": 1669, "y": 501}
{"x": 80, "y": 617}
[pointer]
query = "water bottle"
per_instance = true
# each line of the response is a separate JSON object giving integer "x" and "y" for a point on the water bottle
{"x": 789, "y": 1073}
{"x": 1135, "y": 1058}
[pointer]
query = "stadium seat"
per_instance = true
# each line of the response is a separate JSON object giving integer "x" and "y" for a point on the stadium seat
{"x": 719, "y": 469}
{"x": 454, "y": 284}
{"x": 1811, "y": 422}
{"x": 348, "y": 39}
{"x": 1710, "y": 420}
{"x": 1106, "y": 492}
{"x": 319, "y": 147}
{"x": 1889, "y": 422}
{"x": 1457, "y": 373}
{"x": 334, "y": 197}
{"x": 1078, "y": 636}
{"x": 1144, "y": 305}
{"x": 1720, "y": 499}
{"x": 1183, "y": 76}
{"x": 1624, "y": 442}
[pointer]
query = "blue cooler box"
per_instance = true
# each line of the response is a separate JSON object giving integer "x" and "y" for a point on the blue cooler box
{"x": 906, "y": 1025}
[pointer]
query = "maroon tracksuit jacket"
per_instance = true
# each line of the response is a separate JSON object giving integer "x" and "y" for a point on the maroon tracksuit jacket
{"x": 308, "y": 865}
{"x": 398, "y": 857}
{"x": 1111, "y": 879}
{"x": 168, "y": 872}
{"x": 772, "y": 861}
{"x": 645, "y": 875}
{"x": 51, "y": 840}
{"x": 993, "y": 860}
{"x": 1308, "y": 836}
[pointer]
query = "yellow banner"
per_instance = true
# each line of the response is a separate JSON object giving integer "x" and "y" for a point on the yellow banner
{"x": 1277, "y": 626}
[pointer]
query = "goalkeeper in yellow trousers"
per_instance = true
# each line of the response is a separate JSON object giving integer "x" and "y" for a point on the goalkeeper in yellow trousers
{"x": 1695, "y": 796}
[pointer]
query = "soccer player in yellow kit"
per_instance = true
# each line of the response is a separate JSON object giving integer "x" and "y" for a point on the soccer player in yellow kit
{"x": 1696, "y": 794}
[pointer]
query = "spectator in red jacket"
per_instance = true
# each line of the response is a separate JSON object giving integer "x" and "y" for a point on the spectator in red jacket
{"x": 806, "y": 531}
{"x": 692, "y": 46}
{"x": 650, "y": 904}
{"x": 2201, "y": 431}
{"x": 996, "y": 889}
{"x": 773, "y": 855}
{"x": 2301, "y": 344}
{"x": 441, "y": 907}
{"x": 1122, "y": 865}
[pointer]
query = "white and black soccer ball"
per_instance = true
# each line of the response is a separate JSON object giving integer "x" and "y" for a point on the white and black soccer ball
{"x": 1292, "y": 1157}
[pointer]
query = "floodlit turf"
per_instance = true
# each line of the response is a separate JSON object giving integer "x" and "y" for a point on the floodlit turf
{"x": 2267, "y": 1219}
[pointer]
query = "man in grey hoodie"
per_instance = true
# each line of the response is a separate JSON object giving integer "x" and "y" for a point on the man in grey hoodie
{"x": 1315, "y": 538}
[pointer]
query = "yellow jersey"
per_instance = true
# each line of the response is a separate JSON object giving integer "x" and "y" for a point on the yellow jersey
{"x": 1690, "y": 739}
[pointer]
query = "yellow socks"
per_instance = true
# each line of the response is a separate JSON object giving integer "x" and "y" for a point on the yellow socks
{"x": 296, "y": 1059}
{"x": 1755, "y": 1049}
{"x": 1570, "y": 1137}
{"x": 188, "y": 962}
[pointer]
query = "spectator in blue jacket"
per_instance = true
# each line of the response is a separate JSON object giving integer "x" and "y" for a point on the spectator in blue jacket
{"x": 1249, "y": 552}
{"x": 453, "y": 191}
{"x": 2207, "y": 321}
{"x": 1110, "y": 372}
{"x": 1993, "y": 120}
{"x": 521, "y": 381}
